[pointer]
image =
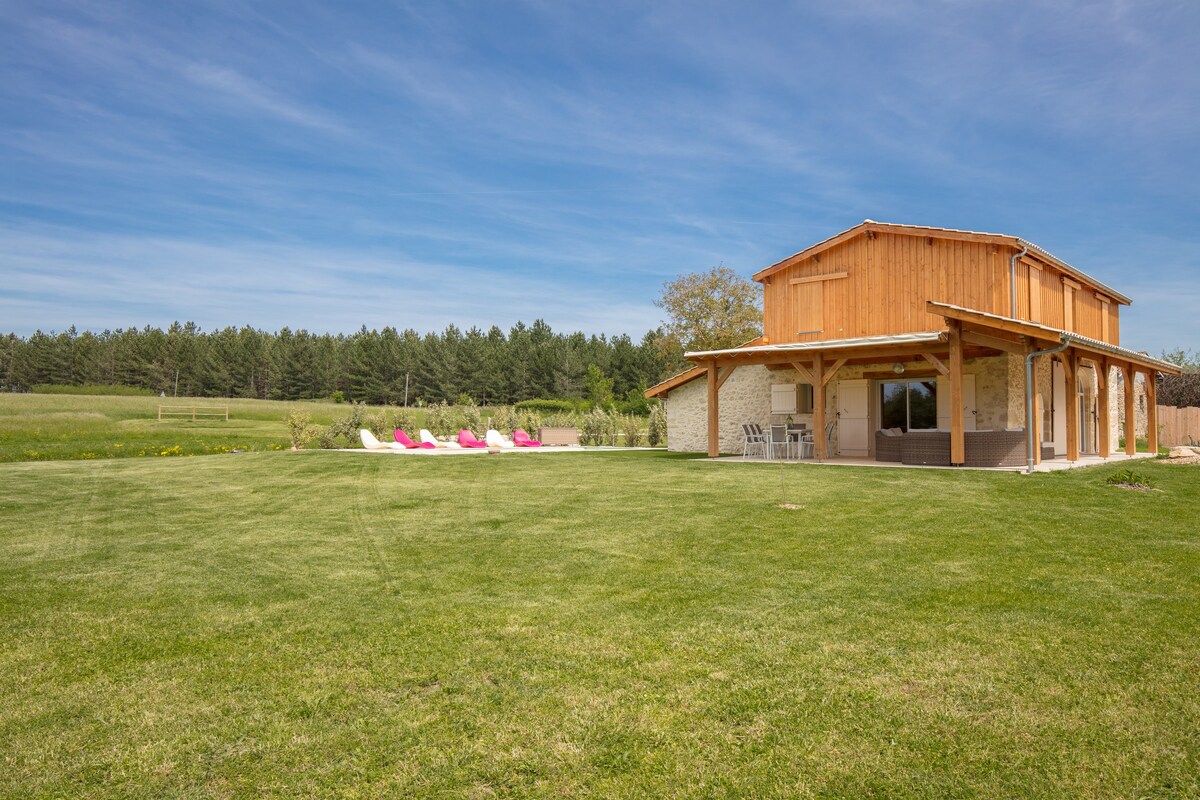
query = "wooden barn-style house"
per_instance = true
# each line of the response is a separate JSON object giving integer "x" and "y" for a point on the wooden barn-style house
{"x": 927, "y": 346}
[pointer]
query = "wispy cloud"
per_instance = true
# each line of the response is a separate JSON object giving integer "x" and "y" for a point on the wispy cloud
{"x": 446, "y": 162}
{"x": 258, "y": 98}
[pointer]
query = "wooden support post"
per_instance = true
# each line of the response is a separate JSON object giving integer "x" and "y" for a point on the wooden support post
{"x": 958, "y": 450}
{"x": 1130, "y": 413}
{"x": 818, "y": 370}
{"x": 714, "y": 433}
{"x": 1152, "y": 412}
{"x": 725, "y": 375}
{"x": 1071, "y": 379}
{"x": 1104, "y": 445}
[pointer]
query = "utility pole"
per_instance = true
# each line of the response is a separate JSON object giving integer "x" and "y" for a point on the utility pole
{"x": 406, "y": 390}
{"x": 177, "y": 381}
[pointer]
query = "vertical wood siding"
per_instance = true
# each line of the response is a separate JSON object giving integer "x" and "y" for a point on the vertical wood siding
{"x": 889, "y": 277}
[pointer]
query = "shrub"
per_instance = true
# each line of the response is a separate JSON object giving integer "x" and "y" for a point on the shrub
{"x": 561, "y": 420}
{"x": 529, "y": 421}
{"x": 506, "y": 421}
{"x": 658, "y": 426}
{"x": 338, "y": 396}
{"x": 327, "y": 437}
{"x": 631, "y": 426}
{"x": 597, "y": 427}
{"x": 1128, "y": 478}
{"x": 299, "y": 431}
{"x": 348, "y": 426}
{"x": 405, "y": 420}
{"x": 470, "y": 418}
{"x": 441, "y": 419}
{"x": 377, "y": 424}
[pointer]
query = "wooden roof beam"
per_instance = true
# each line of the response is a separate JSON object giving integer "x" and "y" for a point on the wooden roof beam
{"x": 995, "y": 342}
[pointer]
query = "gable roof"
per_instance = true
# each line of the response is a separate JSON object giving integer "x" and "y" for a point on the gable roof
{"x": 941, "y": 233}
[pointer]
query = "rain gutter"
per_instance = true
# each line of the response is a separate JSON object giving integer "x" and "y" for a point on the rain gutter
{"x": 1012, "y": 281}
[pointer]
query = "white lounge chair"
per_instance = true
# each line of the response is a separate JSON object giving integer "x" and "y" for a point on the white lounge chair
{"x": 371, "y": 443}
{"x": 495, "y": 439}
{"x": 426, "y": 436}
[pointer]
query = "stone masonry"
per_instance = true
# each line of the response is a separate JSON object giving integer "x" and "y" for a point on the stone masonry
{"x": 746, "y": 397}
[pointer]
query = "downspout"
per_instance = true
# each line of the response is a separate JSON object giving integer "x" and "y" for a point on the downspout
{"x": 1029, "y": 357}
{"x": 1012, "y": 281}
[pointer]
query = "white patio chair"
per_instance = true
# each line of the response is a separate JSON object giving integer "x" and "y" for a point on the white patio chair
{"x": 754, "y": 441}
{"x": 779, "y": 438}
{"x": 804, "y": 441}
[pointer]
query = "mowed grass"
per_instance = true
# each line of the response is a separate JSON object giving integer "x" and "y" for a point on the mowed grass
{"x": 40, "y": 427}
{"x": 594, "y": 625}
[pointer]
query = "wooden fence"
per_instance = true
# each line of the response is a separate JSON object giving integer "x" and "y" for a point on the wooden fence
{"x": 176, "y": 412}
{"x": 1178, "y": 425}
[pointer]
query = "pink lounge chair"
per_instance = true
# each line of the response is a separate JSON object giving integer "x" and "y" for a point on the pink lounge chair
{"x": 521, "y": 439}
{"x": 467, "y": 439}
{"x": 403, "y": 439}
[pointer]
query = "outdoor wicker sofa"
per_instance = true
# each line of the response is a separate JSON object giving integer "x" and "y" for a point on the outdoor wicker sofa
{"x": 888, "y": 446}
{"x": 929, "y": 448}
{"x": 994, "y": 448}
{"x": 932, "y": 448}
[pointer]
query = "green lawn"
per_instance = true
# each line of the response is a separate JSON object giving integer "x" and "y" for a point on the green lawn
{"x": 43, "y": 427}
{"x": 593, "y": 625}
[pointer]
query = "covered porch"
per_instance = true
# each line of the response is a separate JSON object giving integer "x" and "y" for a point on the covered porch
{"x": 851, "y": 380}
{"x": 1047, "y": 465}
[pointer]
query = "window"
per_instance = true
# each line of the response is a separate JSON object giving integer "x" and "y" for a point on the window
{"x": 908, "y": 405}
{"x": 806, "y": 398}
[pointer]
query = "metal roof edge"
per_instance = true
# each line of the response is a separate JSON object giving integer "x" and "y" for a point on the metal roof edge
{"x": 826, "y": 344}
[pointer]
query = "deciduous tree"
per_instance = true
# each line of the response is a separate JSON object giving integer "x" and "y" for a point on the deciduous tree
{"x": 711, "y": 310}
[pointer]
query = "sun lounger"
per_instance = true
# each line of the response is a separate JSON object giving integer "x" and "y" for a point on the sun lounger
{"x": 429, "y": 438}
{"x": 371, "y": 443}
{"x": 521, "y": 439}
{"x": 467, "y": 439}
{"x": 402, "y": 438}
{"x": 495, "y": 439}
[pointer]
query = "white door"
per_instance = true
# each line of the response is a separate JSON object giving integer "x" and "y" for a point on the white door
{"x": 852, "y": 419}
{"x": 1060, "y": 408}
{"x": 943, "y": 403}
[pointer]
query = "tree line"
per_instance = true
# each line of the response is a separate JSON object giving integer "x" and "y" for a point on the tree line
{"x": 374, "y": 366}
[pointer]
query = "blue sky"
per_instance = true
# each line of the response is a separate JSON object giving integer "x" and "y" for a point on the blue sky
{"x": 327, "y": 166}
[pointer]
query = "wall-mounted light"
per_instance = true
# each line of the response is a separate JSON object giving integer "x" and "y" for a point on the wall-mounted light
{"x": 898, "y": 368}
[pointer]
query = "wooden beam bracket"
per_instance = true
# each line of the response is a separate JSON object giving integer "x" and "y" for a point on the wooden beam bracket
{"x": 841, "y": 362}
{"x": 937, "y": 363}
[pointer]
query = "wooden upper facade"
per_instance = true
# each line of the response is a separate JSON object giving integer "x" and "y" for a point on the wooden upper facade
{"x": 875, "y": 279}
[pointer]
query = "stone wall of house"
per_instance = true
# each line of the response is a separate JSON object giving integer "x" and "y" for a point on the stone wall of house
{"x": 746, "y": 397}
{"x": 991, "y": 392}
{"x": 1087, "y": 378}
{"x": 1116, "y": 402}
